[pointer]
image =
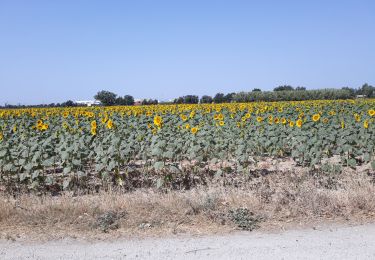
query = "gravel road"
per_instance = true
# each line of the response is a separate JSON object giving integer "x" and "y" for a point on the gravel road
{"x": 356, "y": 242}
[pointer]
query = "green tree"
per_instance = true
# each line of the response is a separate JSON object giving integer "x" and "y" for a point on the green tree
{"x": 206, "y": 99}
{"x": 283, "y": 88}
{"x": 219, "y": 98}
{"x": 107, "y": 98}
{"x": 367, "y": 90}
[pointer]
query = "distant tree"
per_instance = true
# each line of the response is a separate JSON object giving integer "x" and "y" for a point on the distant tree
{"x": 150, "y": 102}
{"x": 120, "y": 101}
{"x": 129, "y": 100}
{"x": 300, "y": 88}
{"x": 367, "y": 90}
{"x": 106, "y": 98}
{"x": 219, "y": 98}
{"x": 256, "y": 90}
{"x": 179, "y": 100}
{"x": 68, "y": 103}
{"x": 352, "y": 91}
{"x": 206, "y": 99}
{"x": 191, "y": 99}
{"x": 283, "y": 88}
{"x": 229, "y": 97}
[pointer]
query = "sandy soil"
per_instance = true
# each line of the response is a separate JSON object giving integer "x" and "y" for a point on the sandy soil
{"x": 324, "y": 242}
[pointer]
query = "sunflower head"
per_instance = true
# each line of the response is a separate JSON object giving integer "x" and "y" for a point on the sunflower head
{"x": 365, "y": 124}
{"x": 316, "y": 117}
{"x": 194, "y": 130}
{"x": 93, "y": 131}
{"x": 183, "y": 117}
{"x": 109, "y": 124}
{"x": 158, "y": 121}
{"x": 357, "y": 117}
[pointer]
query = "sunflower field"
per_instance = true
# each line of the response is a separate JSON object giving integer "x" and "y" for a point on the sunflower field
{"x": 72, "y": 147}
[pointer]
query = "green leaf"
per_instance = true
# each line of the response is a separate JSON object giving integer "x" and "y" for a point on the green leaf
{"x": 159, "y": 183}
{"x": 352, "y": 162}
{"x": 174, "y": 169}
{"x": 66, "y": 183}
{"x": 218, "y": 173}
{"x": 67, "y": 170}
{"x": 3, "y": 153}
{"x": 159, "y": 165}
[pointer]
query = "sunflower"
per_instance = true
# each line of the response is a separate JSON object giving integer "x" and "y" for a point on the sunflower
{"x": 220, "y": 117}
{"x": 332, "y": 113}
{"x": 276, "y": 120}
{"x": 187, "y": 126}
{"x": 259, "y": 119}
{"x": 291, "y": 123}
{"x": 357, "y": 117}
{"x": 1, "y": 136}
{"x": 65, "y": 114}
{"x": 316, "y": 117}
{"x": 93, "y": 124}
{"x": 325, "y": 120}
{"x": 93, "y": 131}
{"x": 221, "y": 123}
{"x": 299, "y": 123}
{"x": 247, "y": 115}
{"x": 365, "y": 124}
{"x": 194, "y": 130}
{"x": 45, "y": 127}
{"x": 243, "y": 119}
{"x": 104, "y": 120}
{"x": 342, "y": 124}
{"x": 371, "y": 112}
{"x": 183, "y": 117}
{"x": 192, "y": 114}
{"x": 283, "y": 121}
{"x": 110, "y": 124}
{"x": 158, "y": 121}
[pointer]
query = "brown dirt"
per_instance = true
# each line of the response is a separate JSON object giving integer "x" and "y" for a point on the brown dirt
{"x": 277, "y": 200}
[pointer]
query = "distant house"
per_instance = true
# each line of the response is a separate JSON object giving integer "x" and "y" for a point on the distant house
{"x": 88, "y": 103}
{"x": 361, "y": 96}
{"x": 138, "y": 102}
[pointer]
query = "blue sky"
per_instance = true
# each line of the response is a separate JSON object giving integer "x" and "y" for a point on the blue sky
{"x": 52, "y": 51}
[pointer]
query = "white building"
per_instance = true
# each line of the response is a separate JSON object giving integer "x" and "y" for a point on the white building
{"x": 88, "y": 103}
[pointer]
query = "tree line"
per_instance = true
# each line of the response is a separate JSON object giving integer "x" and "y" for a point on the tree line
{"x": 280, "y": 93}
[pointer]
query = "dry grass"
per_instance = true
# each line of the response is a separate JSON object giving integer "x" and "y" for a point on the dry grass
{"x": 277, "y": 198}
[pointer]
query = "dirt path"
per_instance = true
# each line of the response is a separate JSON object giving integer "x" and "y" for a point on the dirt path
{"x": 355, "y": 242}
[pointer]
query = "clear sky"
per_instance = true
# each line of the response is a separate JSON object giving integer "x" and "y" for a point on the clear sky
{"x": 52, "y": 51}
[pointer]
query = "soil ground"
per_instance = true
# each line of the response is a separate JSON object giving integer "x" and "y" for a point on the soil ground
{"x": 317, "y": 242}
